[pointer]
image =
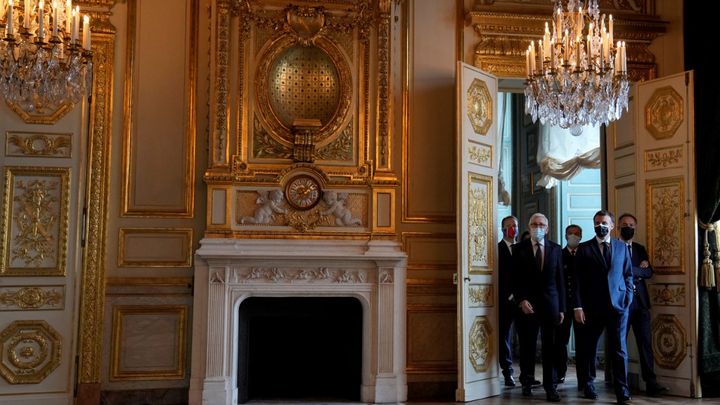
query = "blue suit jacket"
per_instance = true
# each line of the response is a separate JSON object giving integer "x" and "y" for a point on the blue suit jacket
{"x": 599, "y": 287}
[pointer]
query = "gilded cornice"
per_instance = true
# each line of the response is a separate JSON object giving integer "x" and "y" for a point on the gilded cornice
{"x": 505, "y": 28}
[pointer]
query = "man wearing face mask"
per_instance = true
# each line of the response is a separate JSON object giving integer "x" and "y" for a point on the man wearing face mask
{"x": 603, "y": 294}
{"x": 639, "y": 317}
{"x": 507, "y": 308}
{"x": 539, "y": 289}
{"x": 573, "y": 235}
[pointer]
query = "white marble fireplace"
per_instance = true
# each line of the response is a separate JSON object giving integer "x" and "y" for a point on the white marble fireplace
{"x": 228, "y": 271}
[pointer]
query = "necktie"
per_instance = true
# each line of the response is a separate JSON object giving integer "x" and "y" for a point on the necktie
{"x": 606, "y": 253}
{"x": 538, "y": 256}
{"x": 629, "y": 250}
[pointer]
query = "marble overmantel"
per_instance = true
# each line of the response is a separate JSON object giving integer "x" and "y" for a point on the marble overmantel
{"x": 228, "y": 271}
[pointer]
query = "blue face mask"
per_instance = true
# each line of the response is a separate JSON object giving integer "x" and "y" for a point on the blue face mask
{"x": 573, "y": 241}
{"x": 537, "y": 234}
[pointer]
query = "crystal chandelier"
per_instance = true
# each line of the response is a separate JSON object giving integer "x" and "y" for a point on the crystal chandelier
{"x": 577, "y": 75}
{"x": 43, "y": 60}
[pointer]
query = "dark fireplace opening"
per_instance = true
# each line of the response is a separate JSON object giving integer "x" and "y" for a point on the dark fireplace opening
{"x": 307, "y": 348}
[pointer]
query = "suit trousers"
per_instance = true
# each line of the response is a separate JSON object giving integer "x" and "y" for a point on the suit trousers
{"x": 639, "y": 320}
{"x": 561, "y": 343}
{"x": 528, "y": 326}
{"x": 615, "y": 324}
{"x": 507, "y": 313}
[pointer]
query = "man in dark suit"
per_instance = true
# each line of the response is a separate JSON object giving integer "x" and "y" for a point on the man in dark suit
{"x": 507, "y": 307}
{"x": 539, "y": 290}
{"x": 639, "y": 317}
{"x": 573, "y": 236}
{"x": 603, "y": 294}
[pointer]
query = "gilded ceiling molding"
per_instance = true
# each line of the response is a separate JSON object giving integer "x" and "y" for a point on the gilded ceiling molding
{"x": 92, "y": 288}
{"x": 505, "y": 28}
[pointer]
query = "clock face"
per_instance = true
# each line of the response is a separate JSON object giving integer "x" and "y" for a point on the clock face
{"x": 303, "y": 192}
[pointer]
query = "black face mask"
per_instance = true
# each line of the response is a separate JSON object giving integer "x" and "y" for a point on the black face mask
{"x": 627, "y": 233}
{"x": 601, "y": 231}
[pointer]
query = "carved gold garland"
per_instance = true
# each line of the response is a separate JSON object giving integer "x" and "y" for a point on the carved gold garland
{"x": 32, "y": 298}
{"x": 39, "y": 144}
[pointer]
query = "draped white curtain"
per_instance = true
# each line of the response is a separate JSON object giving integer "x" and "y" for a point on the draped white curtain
{"x": 504, "y": 138}
{"x": 562, "y": 155}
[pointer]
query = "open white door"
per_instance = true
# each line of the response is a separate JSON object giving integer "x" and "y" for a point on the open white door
{"x": 477, "y": 198}
{"x": 651, "y": 173}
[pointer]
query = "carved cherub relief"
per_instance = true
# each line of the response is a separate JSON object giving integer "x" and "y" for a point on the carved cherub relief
{"x": 336, "y": 206}
{"x": 268, "y": 204}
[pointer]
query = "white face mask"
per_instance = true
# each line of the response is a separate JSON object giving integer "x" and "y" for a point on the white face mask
{"x": 572, "y": 241}
{"x": 537, "y": 234}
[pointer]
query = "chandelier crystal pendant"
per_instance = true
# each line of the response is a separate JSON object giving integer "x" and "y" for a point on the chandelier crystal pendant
{"x": 44, "y": 62}
{"x": 577, "y": 75}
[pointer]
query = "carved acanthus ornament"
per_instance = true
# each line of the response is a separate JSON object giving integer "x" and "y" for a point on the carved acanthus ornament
{"x": 30, "y": 298}
{"x": 278, "y": 275}
{"x": 31, "y": 350}
{"x": 40, "y": 144}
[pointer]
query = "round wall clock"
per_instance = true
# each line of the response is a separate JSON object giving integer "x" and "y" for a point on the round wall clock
{"x": 303, "y": 192}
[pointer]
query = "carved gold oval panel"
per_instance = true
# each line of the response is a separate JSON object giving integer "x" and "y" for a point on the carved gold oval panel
{"x": 479, "y": 107}
{"x": 303, "y": 83}
{"x": 664, "y": 113}
{"x": 295, "y": 81}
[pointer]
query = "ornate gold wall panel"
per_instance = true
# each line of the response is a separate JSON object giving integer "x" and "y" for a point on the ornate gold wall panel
{"x": 148, "y": 342}
{"x": 31, "y": 350}
{"x": 428, "y": 124}
{"x": 431, "y": 350}
{"x": 481, "y": 344}
{"x": 506, "y": 27}
{"x": 670, "y": 294}
{"x": 155, "y": 247}
{"x": 159, "y": 120}
{"x": 480, "y": 253}
{"x": 38, "y": 144}
{"x": 665, "y": 224}
{"x": 28, "y": 298}
{"x": 669, "y": 341}
{"x": 664, "y": 158}
{"x": 35, "y": 221}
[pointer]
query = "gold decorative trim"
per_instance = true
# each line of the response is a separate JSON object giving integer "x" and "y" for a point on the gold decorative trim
{"x": 664, "y": 113}
{"x": 669, "y": 341}
{"x": 38, "y": 144}
{"x": 664, "y": 158}
{"x": 407, "y": 49}
{"x": 481, "y": 295}
{"x": 665, "y": 199}
{"x": 185, "y": 233}
{"x": 92, "y": 286}
{"x": 31, "y": 350}
{"x": 671, "y": 294}
{"x": 28, "y": 298}
{"x": 35, "y": 221}
{"x": 219, "y": 109}
{"x": 480, "y": 154}
{"x": 376, "y": 227}
{"x": 42, "y": 117}
{"x": 480, "y": 340}
{"x": 383, "y": 140}
{"x": 149, "y": 281}
{"x": 479, "y": 107}
{"x": 480, "y": 224}
{"x": 129, "y": 209}
{"x": 121, "y": 311}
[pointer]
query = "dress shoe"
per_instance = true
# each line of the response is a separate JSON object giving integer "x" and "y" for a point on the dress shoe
{"x": 553, "y": 396}
{"x": 509, "y": 381}
{"x": 526, "y": 391}
{"x": 655, "y": 390}
{"x": 561, "y": 380}
{"x": 536, "y": 383}
{"x": 590, "y": 392}
{"x": 624, "y": 400}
